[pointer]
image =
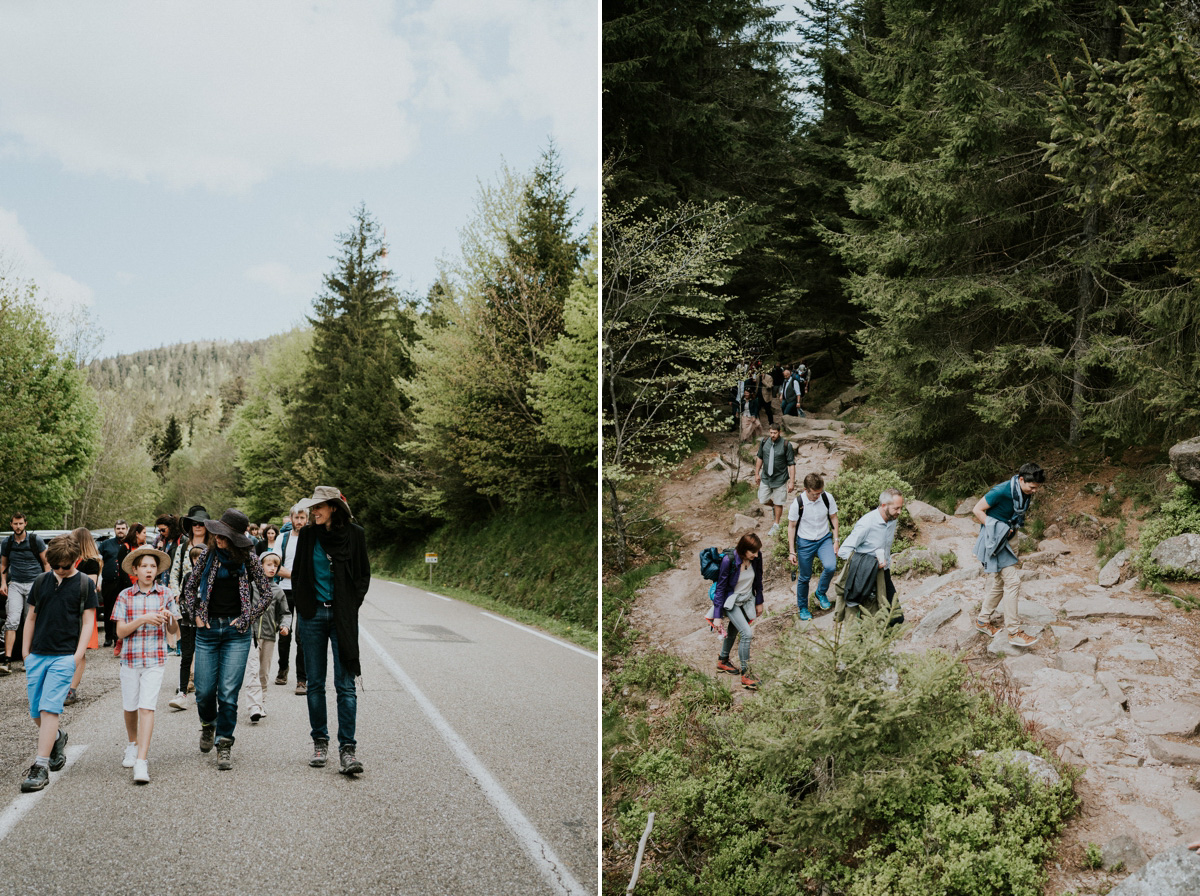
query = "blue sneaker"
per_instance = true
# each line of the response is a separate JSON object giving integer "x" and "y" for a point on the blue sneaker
{"x": 805, "y": 615}
{"x": 823, "y": 601}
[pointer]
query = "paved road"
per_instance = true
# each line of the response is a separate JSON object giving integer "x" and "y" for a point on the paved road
{"x": 479, "y": 739}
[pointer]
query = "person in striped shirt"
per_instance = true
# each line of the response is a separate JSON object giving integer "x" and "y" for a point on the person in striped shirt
{"x": 144, "y": 612}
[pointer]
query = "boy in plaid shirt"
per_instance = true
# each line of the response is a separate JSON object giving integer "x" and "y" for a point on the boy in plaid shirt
{"x": 141, "y": 614}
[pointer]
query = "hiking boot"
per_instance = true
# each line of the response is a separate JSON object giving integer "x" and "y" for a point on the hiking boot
{"x": 130, "y": 755}
{"x": 6, "y": 669}
{"x": 805, "y": 615}
{"x": 38, "y": 777}
{"x": 749, "y": 682}
{"x": 986, "y": 628}
{"x": 726, "y": 666}
{"x": 71, "y": 697}
{"x": 350, "y": 763}
{"x": 224, "y": 760}
{"x": 179, "y": 701}
{"x": 207, "y": 732}
{"x": 301, "y": 688}
{"x": 771, "y": 532}
{"x": 320, "y": 753}
{"x": 58, "y": 752}
{"x": 1020, "y": 639}
{"x": 141, "y": 771}
{"x": 823, "y": 601}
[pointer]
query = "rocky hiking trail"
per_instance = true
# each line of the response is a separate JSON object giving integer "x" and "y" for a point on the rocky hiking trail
{"x": 1111, "y": 686}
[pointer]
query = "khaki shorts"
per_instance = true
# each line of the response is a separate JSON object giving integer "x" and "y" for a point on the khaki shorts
{"x": 768, "y": 495}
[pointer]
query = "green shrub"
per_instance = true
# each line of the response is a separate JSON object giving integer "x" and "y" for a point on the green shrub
{"x": 1093, "y": 858}
{"x": 857, "y": 493}
{"x": 1111, "y": 541}
{"x": 1178, "y": 515}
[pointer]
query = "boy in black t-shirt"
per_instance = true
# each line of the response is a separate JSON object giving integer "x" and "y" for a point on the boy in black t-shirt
{"x": 54, "y": 643}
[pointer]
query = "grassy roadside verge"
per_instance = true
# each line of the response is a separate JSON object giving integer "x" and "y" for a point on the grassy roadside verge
{"x": 537, "y": 567}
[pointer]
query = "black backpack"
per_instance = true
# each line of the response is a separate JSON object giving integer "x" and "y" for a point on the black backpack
{"x": 800, "y": 508}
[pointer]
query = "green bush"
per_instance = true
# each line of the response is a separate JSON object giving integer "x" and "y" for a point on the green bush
{"x": 1178, "y": 515}
{"x": 851, "y": 769}
{"x": 857, "y": 493}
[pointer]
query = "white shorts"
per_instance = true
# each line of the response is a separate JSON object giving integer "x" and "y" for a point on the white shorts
{"x": 139, "y": 686}
{"x": 768, "y": 495}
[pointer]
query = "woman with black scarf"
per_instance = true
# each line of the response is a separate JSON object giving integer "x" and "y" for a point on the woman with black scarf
{"x": 225, "y": 591}
{"x": 330, "y": 578}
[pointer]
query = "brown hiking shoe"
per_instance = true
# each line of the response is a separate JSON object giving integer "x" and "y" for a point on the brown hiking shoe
{"x": 1020, "y": 639}
{"x": 726, "y": 666}
{"x": 986, "y": 628}
{"x": 749, "y": 682}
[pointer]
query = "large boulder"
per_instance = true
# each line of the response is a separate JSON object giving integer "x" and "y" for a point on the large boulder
{"x": 1172, "y": 873}
{"x": 1180, "y": 553}
{"x": 926, "y": 513}
{"x": 743, "y": 524}
{"x": 1111, "y": 573}
{"x": 1185, "y": 460}
{"x": 918, "y": 559}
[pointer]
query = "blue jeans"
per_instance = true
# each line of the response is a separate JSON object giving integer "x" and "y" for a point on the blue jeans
{"x": 805, "y": 551}
{"x": 316, "y": 635}
{"x": 221, "y": 652}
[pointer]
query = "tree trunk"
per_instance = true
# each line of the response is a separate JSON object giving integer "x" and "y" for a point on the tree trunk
{"x": 1087, "y": 293}
{"x": 618, "y": 521}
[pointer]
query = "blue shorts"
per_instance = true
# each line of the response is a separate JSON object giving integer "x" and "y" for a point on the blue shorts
{"x": 48, "y": 679}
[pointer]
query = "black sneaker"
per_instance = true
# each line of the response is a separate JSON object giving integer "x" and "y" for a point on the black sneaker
{"x": 224, "y": 760}
{"x": 38, "y": 777}
{"x": 6, "y": 669}
{"x": 206, "y": 737}
{"x": 320, "y": 753}
{"x": 350, "y": 763}
{"x": 58, "y": 753}
{"x": 281, "y": 678}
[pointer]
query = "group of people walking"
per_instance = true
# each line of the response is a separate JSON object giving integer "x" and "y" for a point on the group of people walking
{"x": 864, "y": 581}
{"x": 226, "y": 599}
{"x": 759, "y": 387}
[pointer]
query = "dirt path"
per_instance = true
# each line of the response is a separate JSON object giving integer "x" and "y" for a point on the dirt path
{"x": 1112, "y": 685}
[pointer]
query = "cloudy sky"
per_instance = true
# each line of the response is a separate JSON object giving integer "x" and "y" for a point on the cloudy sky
{"x": 183, "y": 169}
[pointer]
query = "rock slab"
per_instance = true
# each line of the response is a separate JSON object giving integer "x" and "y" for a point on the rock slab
{"x": 1124, "y": 850}
{"x": 925, "y": 513}
{"x": 1180, "y": 553}
{"x": 1172, "y": 873}
{"x": 1173, "y": 754}
{"x": 1079, "y": 607}
{"x": 1111, "y": 573}
{"x": 937, "y": 617}
{"x": 1176, "y": 718}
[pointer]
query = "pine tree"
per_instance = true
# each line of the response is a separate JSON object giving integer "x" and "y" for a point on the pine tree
{"x": 350, "y": 408}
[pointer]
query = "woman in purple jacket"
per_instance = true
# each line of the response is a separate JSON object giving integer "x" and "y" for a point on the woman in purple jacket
{"x": 732, "y": 597}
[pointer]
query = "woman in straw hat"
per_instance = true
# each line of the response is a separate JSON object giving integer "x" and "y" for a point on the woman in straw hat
{"x": 225, "y": 591}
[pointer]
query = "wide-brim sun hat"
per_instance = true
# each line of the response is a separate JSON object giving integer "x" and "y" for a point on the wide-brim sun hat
{"x": 232, "y": 525}
{"x": 196, "y": 515}
{"x": 323, "y": 494}
{"x": 134, "y": 556}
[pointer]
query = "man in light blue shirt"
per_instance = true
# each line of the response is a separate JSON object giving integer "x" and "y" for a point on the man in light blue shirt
{"x": 873, "y": 534}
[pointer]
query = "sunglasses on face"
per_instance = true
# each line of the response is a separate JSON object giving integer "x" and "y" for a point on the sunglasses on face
{"x": 67, "y": 568}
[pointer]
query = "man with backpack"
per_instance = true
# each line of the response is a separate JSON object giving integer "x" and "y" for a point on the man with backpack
{"x": 22, "y": 559}
{"x": 813, "y": 531}
{"x": 775, "y": 473}
{"x": 792, "y": 392}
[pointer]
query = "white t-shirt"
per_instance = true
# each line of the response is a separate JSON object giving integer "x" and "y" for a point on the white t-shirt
{"x": 814, "y": 525}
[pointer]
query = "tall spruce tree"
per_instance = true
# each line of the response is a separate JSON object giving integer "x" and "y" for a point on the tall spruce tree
{"x": 351, "y": 411}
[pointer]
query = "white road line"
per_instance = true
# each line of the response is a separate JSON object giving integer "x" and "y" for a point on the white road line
{"x": 16, "y": 810}
{"x": 589, "y": 654}
{"x": 552, "y": 869}
{"x": 440, "y": 597}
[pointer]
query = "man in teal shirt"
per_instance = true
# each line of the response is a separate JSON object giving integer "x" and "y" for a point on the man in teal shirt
{"x": 1000, "y": 513}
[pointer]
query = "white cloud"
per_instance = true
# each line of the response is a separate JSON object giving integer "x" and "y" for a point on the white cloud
{"x": 223, "y": 94}
{"x": 20, "y": 258}
{"x": 283, "y": 280}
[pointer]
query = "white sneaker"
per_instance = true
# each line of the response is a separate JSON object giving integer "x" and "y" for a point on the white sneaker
{"x": 771, "y": 532}
{"x": 130, "y": 755}
{"x": 179, "y": 701}
{"x": 141, "y": 771}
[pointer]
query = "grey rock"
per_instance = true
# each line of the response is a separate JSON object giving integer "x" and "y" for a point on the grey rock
{"x": 717, "y": 463}
{"x": 1052, "y": 531}
{"x": 743, "y": 523}
{"x": 1035, "y": 612}
{"x": 1172, "y": 753}
{"x": 1176, "y": 718}
{"x": 1091, "y": 707}
{"x": 1054, "y": 545}
{"x": 1039, "y": 558}
{"x": 1172, "y": 873}
{"x": 965, "y": 508}
{"x": 1124, "y": 850}
{"x": 1185, "y": 460}
{"x": 916, "y": 559}
{"x": 1068, "y": 638}
{"x": 1022, "y": 669}
{"x": 1079, "y": 607}
{"x": 937, "y": 617}
{"x": 1135, "y": 651}
{"x": 1111, "y": 573}
{"x": 1113, "y": 687}
{"x": 1037, "y": 767}
{"x": 1181, "y": 553}
{"x": 925, "y": 513}
{"x": 1076, "y": 662}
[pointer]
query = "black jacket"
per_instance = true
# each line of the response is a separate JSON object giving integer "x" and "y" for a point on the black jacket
{"x": 351, "y": 579}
